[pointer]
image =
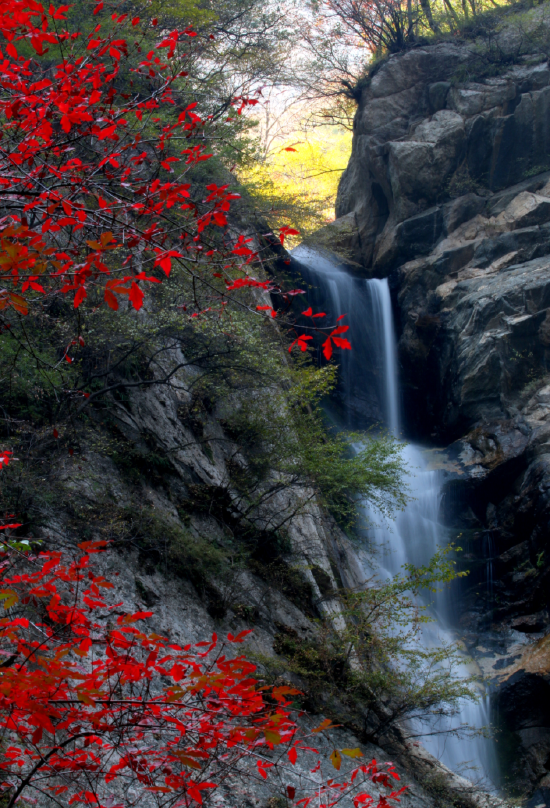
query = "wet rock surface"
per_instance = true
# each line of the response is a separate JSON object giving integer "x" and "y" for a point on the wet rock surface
{"x": 498, "y": 499}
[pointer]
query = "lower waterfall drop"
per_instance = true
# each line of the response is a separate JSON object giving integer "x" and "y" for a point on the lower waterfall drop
{"x": 413, "y": 535}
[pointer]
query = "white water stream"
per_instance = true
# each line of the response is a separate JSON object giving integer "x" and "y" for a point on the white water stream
{"x": 414, "y": 535}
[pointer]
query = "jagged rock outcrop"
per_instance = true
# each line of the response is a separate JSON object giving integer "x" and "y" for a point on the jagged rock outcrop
{"x": 423, "y": 137}
{"x": 481, "y": 298}
{"x": 448, "y": 193}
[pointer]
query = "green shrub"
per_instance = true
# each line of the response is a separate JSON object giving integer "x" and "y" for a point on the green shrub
{"x": 377, "y": 659}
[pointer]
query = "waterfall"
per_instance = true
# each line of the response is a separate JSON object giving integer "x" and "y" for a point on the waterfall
{"x": 382, "y": 324}
{"x": 370, "y": 390}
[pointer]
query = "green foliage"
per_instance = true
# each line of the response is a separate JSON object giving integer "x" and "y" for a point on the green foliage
{"x": 136, "y": 462}
{"x": 532, "y": 172}
{"x": 280, "y": 457}
{"x": 168, "y": 547}
{"x": 240, "y": 374}
{"x": 280, "y": 429}
{"x": 461, "y": 182}
{"x": 30, "y": 377}
{"x": 233, "y": 371}
{"x": 285, "y": 578}
{"x": 377, "y": 658}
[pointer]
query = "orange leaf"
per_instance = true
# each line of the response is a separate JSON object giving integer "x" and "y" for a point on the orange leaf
{"x": 336, "y": 759}
{"x": 352, "y": 753}
{"x": 272, "y": 737}
{"x": 9, "y": 597}
{"x": 323, "y": 725}
{"x": 19, "y": 303}
{"x": 280, "y": 692}
{"x": 84, "y": 697}
{"x": 187, "y": 761}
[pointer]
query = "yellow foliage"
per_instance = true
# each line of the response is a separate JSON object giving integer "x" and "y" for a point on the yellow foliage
{"x": 297, "y": 182}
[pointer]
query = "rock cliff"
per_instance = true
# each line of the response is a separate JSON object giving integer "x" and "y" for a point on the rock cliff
{"x": 448, "y": 194}
{"x": 158, "y": 473}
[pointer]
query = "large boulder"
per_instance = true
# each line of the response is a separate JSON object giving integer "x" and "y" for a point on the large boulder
{"x": 420, "y": 166}
{"x": 423, "y": 137}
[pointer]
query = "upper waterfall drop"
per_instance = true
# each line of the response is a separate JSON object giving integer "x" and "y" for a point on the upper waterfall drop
{"x": 369, "y": 379}
{"x": 368, "y": 385}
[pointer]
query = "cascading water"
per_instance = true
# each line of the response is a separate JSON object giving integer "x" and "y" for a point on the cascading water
{"x": 370, "y": 391}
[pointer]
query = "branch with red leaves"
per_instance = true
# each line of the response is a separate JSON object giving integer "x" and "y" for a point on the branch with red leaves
{"x": 87, "y": 701}
{"x": 96, "y": 185}
{"x": 333, "y": 338}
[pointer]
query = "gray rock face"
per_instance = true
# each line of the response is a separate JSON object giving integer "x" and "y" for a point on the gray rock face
{"x": 422, "y": 164}
{"x": 475, "y": 309}
{"x": 422, "y": 138}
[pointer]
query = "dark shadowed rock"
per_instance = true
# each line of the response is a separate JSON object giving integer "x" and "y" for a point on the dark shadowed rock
{"x": 540, "y": 799}
{"x": 462, "y": 210}
{"x": 415, "y": 236}
{"x": 437, "y": 95}
{"x": 530, "y": 623}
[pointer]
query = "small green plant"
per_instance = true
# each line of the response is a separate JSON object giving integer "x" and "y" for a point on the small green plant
{"x": 532, "y": 172}
{"x": 540, "y": 560}
{"x": 286, "y": 443}
{"x": 461, "y": 183}
{"x": 525, "y": 569}
{"x": 168, "y": 547}
{"x": 377, "y": 659}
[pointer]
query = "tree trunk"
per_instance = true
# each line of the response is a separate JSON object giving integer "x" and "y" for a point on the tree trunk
{"x": 453, "y": 13}
{"x": 427, "y": 9}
